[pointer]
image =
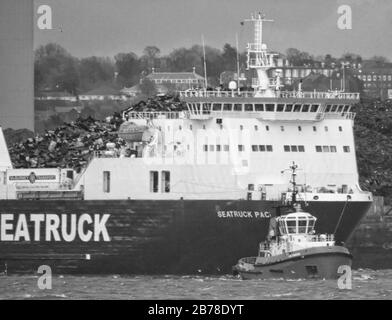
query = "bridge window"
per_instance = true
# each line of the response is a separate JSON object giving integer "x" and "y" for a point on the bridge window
{"x": 267, "y": 128}
{"x": 332, "y": 148}
{"x": 106, "y": 181}
{"x": 305, "y": 108}
{"x": 319, "y": 149}
{"x": 281, "y": 128}
{"x": 340, "y": 128}
{"x": 249, "y": 107}
{"x": 270, "y": 107}
{"x": 259, "y": 107}
{"x": 326, "y": 129}
{"x": 346, "y": 108}
{"x": 218, "y": 147}
{"x": 314, "y": 108}
{"x": 165, "y": 181}
{"x": 256, "y": 128}
{"x": 241, "y": 148}
{"x": 261, "y": 148}
{"x": 346, "y": 149}
{"x": 238, "y": 107}
{"x": 217, "y": 107}
{"x": 226, "y": 148}
{"x": 301, "y": 148}
{"x": 314, "y": 128}
{"x": 289, "y": 108}
{"x": 241, "y": 127}
{"x": 334, "y": 107}
{"x": 294, "y": 149}
{"x": 280, "y": 108}
{"x": 340, "y": 108}
{"x": 325, "y": 148}
{"x": 205, "y": 147}
{"x": 328, "y": 108}
{"x": 269, "y": 148}
{"x": 255, "y": 148}
{"x": 299, "y": 128}
{"x": 212, "y": 148}
{"x": 286, "y": 148}
{"x": 154, "y": 181}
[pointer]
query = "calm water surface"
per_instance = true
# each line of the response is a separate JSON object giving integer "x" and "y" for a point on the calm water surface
{"x": 366, "y": 284}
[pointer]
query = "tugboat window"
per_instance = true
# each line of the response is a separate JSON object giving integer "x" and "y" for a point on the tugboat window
{"x": 227, "y": 107}
{"x": 314, "y": 108}
{"x": 270, "y": 107}
{"x": 238, "y": 107}
{"x": 297, "y": 108}
{"x": 217, "y": 107}
{"x": 289, "y": 108}
{"x": 249, "y": 107}
{"x": 259, "y": 107}
{"x": 280, "y": 108}
{"x": 328, "y": 109}
{"x": 305, "y": 108}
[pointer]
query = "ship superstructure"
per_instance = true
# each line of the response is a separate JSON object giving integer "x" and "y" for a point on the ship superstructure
{"x": 197, "y": 181}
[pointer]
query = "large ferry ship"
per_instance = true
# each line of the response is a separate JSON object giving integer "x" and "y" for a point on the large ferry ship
{"x": 198, "y": 187}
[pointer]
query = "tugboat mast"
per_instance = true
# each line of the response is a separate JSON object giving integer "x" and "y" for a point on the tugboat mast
{"x": 294, "y": 168}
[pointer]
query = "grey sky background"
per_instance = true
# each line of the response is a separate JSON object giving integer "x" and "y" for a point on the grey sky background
{"x": 107, "y": 27}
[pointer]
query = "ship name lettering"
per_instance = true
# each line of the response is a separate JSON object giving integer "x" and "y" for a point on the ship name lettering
{"x": 243, "y": 214}
{"x": 53, "y": 227}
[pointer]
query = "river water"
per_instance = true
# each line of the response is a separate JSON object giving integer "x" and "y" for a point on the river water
{"x": 366, "y": 284}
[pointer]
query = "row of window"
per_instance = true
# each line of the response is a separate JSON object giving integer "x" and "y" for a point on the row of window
{"x": 176, "y": 81}
{"x": 269, "y": 148}
{"x": 331, "y": 149}
{"x": 165, "y": 181}
{"x": 154, "y": 181}
{"x": 259, "y": 107}
{"x": 256, "y": 128}
{"x": 267, "y": 107}
{"x": 294, "y": 148}
{"x": 374, "y": 77}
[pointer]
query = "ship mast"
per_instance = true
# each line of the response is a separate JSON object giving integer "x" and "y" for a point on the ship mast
{"x": 259, "y": 58}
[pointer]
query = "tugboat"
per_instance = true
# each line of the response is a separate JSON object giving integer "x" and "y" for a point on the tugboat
{"x": 296, "y": 252}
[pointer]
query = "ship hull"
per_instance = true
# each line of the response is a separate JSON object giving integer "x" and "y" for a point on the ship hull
{"x": 313, "y": 263}
{"x": 147, "y": 236}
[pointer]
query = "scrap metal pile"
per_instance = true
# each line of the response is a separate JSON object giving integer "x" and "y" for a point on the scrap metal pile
{"x": 73, "y": 144}
{"x": 69, "y": 146}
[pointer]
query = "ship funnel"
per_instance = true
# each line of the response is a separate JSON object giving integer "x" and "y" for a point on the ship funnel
{"x": 5, "y": 160}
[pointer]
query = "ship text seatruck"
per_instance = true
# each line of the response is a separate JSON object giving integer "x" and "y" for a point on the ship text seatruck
{"x": 65, "y": 227}
{"x": 243, "y": 214}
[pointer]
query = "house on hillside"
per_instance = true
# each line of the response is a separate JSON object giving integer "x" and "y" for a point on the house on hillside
{"x": 50, "y": 95}
{"x": 102, "y": 93}
{"x": 177, "y": 80}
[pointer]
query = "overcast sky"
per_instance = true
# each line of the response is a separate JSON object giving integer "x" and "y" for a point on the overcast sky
{"x": 107, "y": 27}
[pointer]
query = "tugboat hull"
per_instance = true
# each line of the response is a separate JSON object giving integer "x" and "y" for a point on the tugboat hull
{"x": 313, "y": 263}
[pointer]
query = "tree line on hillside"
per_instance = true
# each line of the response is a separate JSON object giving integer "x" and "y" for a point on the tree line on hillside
{"x": 58, "y": 70}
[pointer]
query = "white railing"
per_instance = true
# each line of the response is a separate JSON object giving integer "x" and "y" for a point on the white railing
{"x": 282, "y": 94}
{"x": 157, "y": 115}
